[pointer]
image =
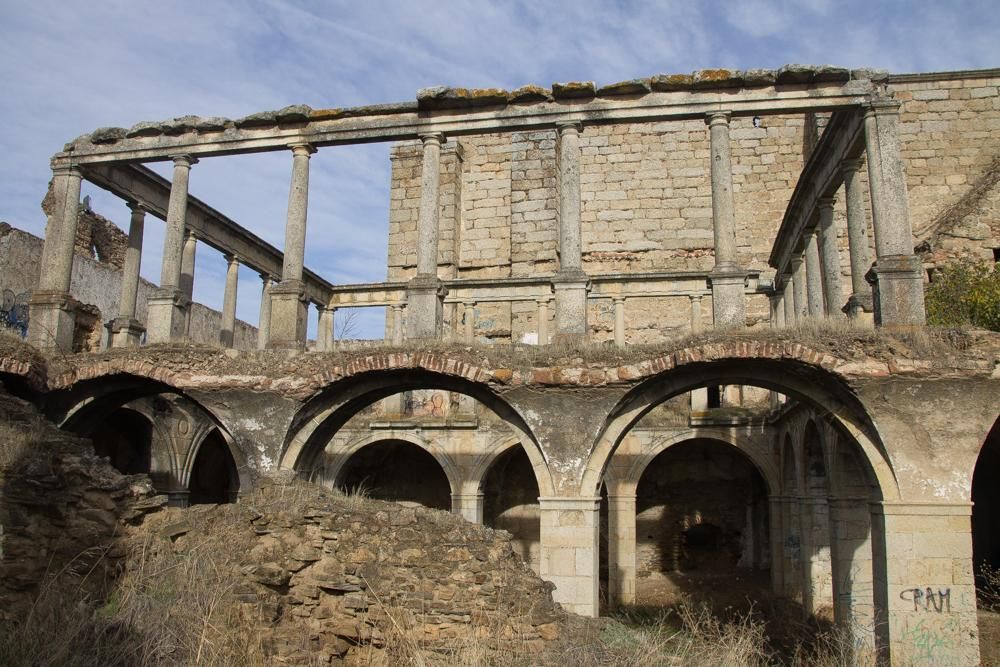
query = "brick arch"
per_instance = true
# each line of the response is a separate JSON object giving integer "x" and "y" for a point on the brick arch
{"x": 328, "y": 410}
{"x": 814, "y": 382}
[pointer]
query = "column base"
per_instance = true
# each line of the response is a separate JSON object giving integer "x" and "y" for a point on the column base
{"x": 425, "y": 307}
{"x": 287, "y": 329}
{"x": 569, "y": 546}
{"x": 897, "y": 290}
{"x": 167, "y": 314}
{"x": 860, "y": 310}
{"x": 728, "y": 298}
{"x": 571, "y": 289}
{"x": 51, "y": 321}
{"x": 126, "y": 332}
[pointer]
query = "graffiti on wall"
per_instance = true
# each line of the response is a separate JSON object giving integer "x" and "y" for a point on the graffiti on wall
{"x": 927, "y": 599}
{"x": 14, "y": 312}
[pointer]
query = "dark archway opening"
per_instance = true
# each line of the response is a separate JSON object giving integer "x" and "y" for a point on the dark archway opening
{"x": 214, "y": 478}
{"x": 986, "y": 544}
{"x": 510, "y": 502}
{"x": 126, "y": 438}
{"x": 701, "y": 525}
{"x": 396, "y": 470}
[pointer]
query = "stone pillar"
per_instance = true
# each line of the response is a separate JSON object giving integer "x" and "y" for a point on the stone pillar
{"x": 817, "y": 584}
{"x": 925, "y": 594}
{"x": 226, "y": 336}
{"x": 425, "y": 292}
{"x": 51, "y": 321}
{"x": 777, "y": 311}
{"x": 187, "y": 276}
{"x": 851, "y": 561}
{"x": 264, "y": 321}
{"x": 897, "y": 277}
{"x": 469, "y": 506}
{"x": 289, "y": 310}
{"x": 621, "y": 549}
{"x": 829, "y": 258}
{"x": 799, "y": 284}
{"x": 397, "y": 323}
{"x": 570, "y": 282}
{"x": 792, "y": 547}
{"x": 859, "y": 304}
{"x": 695, "y": 312}
{"x": 543, "y": 321}
{"x": 469, "y": 318}
{"x": 814, "y": 276}
{"x": 776, "y": 516}
{"x": 325, "y": 329}
{"x": 126, "y": 330}
{"x": 699, "y": 399}
{"x": 788, "y": 300}
{"x": 569, "y": 551}
{"x": 619, "y": 321}
{"x": 727, "y": 277}
{"x": 168, "y": 307}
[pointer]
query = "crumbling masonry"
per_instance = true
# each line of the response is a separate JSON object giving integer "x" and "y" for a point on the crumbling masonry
{"x": 636, "y": 214}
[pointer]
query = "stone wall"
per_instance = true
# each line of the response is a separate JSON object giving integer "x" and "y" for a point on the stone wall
{"x": 97, "y": 284}
{"x": 646, "y": 199}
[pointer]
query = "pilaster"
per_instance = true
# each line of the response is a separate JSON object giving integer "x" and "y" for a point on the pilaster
{"x": 621, "y": 549}
{"x": 569, "y": 551}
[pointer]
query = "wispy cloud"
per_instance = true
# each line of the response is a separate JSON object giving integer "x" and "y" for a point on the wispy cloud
{"x": 70, "y": 67}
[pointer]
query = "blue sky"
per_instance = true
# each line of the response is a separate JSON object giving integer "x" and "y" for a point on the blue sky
{"x": 69, "y": 67}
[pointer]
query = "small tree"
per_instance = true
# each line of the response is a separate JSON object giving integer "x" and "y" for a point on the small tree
{"x": 964, "y": 292}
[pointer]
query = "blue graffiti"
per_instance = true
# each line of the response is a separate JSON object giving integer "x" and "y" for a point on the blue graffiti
{"x": 14, "y": 312}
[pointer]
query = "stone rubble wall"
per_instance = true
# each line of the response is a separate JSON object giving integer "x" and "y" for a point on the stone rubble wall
{"x": 99, "y": 284}
{"x": 646, "y": 199}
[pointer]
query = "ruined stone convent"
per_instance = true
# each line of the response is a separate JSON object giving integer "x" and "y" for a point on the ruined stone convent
{"x": 652, "y": 329}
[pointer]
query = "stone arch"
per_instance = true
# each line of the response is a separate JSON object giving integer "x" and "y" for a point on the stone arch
{"x": 127, "y": 441}
{"x": 328, "y": 410}
{"x": 332, "y": 472}
{"x": 510, "y": 493}
{"x": 815, "y": 476}
{"x": 986, "y": 504}
{"x": 212, "y": 475}
{"x": 387, "y": 478}
{"x": 810, "y": 383}
{"x": 88, "y": 401}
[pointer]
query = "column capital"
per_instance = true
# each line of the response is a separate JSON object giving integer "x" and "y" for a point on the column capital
{"x": 796, "y": 262}
{"x": 67, "y": 170}
{"x": 852, "y": 164}
{"x": 695, "y": 297}
{"x": 618, "y": 299}
{"x": 826, "y": 202}
{"x": 137, "y": 207}
{"x": 543, "y": 300}
{"x": 190, "y": 235}
{"x": 266, "y": 277}
{"x": 717, "y": 117}
{"x": 184, "y": 160}
{"x": 431, "y": 138}
{"x": 569, "y": 126}
{"x": 232, "y": 258}
{"x": 397, "y": 307}
{"x": 302, "y": 148}
{"x": 877, "y": 106}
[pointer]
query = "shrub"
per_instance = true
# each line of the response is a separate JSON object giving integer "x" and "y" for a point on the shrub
{"x": 965, "y": 292}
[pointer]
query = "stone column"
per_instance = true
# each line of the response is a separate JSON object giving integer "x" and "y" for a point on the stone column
{"x": 264, "y": 321}
{"x": 695, "y": 313}
{"x": 925, "y": 594}
{"x": 776, "y": 524}
{"x": 859, "y": 304}
{"x": 126, "y": 330}
{"x": 168, "y": 307}
{"x": 799, "y": 284}
{"x": 397, "y": 323}
{"x": 187, "y": 277}
{"x": 897, "y": 277}
{"x": 727, "y": 277}
{"x": 468, "y": 505}
{"x": 289, "y": 310}
{"x": 788, "y": 301}
{"x": 792, "y": 547}
{"x": 227, "y": 335}
{"x": 570, "y": 282}
{"x": 851, "y": 561}
{"x": 543, "y": 321}
{"x": 469, "y": 318}
{"x": 830, "y": 259}
{"x": 817, "y": 584}
{"x": 569, "y": 551}
{"x": 425, "y": 292}
{"x": 51, "y": 320}
{"x": 325, "y": 328}
{"x": 814, "y": 277}
{"x": 619, "y": 321}
{"x": 621, "y": 549}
